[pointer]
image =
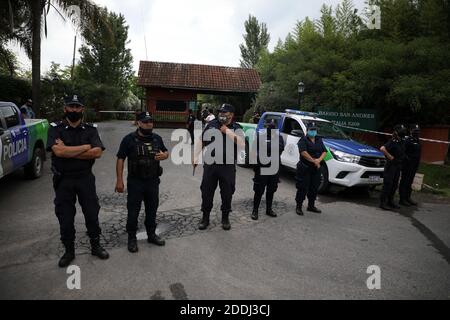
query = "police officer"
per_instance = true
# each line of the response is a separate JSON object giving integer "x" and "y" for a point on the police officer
{"x": 411, "y": 163}
{"x": 144, "y": 150}
{"x": 222, "y": 167}
{"x": 394, "y": 151}
{"x": 312, "y": 151}
{"x": 75, "y": 145}
{"x": 261, "y": 181}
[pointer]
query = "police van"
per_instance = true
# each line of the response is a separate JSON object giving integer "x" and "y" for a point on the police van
{"x": 22, "y": 142}
{"x": 347, "y": 163}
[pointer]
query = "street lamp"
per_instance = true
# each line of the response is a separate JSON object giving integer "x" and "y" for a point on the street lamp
{"x": 301, "y": 90}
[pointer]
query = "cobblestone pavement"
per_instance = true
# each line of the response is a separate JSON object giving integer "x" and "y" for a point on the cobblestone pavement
{"x": 173, "y": 223}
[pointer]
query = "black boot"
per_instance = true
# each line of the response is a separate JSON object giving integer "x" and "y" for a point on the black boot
{"x": 312, "y": 208}
{"x": 392, "y": 204}
{"x": 383, "y": 204}
{"x": 204, "y": 223}
{"x": 299, "y": 209}
{"x": 155, "y": 239}
{"x": 255, "y": 214}
{"x": 132, "y": 242}
{"x": 97, "y": 250}
{"x": 69, "y": 255}
{"x": 269, "y": 201}
{"x": 404, "y": 203}
{"x": 226, "y": 221}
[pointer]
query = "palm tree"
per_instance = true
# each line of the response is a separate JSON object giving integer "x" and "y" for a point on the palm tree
{"x": 28, "y": 18}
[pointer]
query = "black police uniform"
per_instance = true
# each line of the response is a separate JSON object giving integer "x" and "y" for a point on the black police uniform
{"x": 308, "y": 175}
{"x": 391, "y": 175}
{"x": 215, "y": 173}
{"x": 143, "y": 178}
{"x": 72, "y": 179}
{"x": 261, "y": 182}
{"x": 190, "y": 124}
{"x": 413, "y": 150}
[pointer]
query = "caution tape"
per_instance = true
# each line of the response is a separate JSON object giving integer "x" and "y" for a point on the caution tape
{"x": 390, "y": 134}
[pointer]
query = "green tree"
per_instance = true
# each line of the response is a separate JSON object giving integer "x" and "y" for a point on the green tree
{"x": 25, "y": 20}
{"x": 105, "y": 60}
{"x": 256, "y": 41}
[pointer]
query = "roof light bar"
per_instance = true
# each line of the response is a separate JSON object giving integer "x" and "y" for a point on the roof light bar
{"x": 302, "y": 113}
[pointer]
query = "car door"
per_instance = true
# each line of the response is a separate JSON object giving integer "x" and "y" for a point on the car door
{"x": 17, "y": 142}
{"x": 5, "y": 141}
{"x": 290, "y": 155}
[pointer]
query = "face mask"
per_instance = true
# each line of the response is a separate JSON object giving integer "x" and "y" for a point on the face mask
{"x": 74, "y": 116}
{"x": 223, "y": 119}
{"x": 312, "y": 133}
{"x": 146, "y": 132}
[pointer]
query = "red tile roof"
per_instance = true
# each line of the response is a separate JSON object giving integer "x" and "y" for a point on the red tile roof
{"x": 197, "y": 77}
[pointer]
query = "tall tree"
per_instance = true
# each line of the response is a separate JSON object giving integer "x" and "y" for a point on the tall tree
{"x": 104, "y": 58}
{"x": 256, "y": 40}
{"x": 27, "y": 19}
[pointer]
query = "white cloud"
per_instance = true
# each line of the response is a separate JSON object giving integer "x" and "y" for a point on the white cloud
{"x": 195, "y": 31}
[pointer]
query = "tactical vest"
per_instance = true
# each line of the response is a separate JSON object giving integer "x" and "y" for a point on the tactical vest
{"x": 142, "y": 163}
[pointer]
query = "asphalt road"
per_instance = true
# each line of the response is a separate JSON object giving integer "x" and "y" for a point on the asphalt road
{"x": 289, "y": 257}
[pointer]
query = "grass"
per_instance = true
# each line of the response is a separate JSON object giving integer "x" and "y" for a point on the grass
{"x": 437, "y": 176}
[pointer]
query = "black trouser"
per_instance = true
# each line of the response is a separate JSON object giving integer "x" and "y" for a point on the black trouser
{"x": 308, "y": 181}
{"x": 409, "y": 170}
{"x": 139, "y": 190}
{"x": 225, "y": 176}
{"x": 260, "y": 183}
{"x": 67, "y": 189}
{"x": 391, "y": 176}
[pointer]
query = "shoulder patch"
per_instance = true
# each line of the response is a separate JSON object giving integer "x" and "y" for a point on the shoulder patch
{"x": 93, "y": 125}
{"x": 56, "y": 124}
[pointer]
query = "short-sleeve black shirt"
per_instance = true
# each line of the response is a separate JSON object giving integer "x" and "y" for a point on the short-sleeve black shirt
{"x": 83, "y": 134}
{"x": 397, "y": 149}
{"x": 314, "y": 149}
{"x": 215, "y": 124}
{"x": 413, "y": 149}
{"x": 128, "y": 144}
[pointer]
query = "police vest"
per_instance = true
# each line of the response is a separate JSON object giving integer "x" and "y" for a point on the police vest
{"x": 141, "y": 162}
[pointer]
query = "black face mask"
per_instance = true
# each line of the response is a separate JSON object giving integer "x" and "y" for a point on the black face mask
{"x": 146, "y": 132}
{"x": 74, "y": 116}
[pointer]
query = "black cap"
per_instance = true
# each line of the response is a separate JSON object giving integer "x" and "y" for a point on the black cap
{"x": 311, "y": 125}
{"x": 144, "y": 116}
{"x": 73, "y": 100}
{"x": 226, "y": 108}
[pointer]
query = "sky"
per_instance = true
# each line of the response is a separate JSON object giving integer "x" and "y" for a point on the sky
{"x": 190, "y": 31}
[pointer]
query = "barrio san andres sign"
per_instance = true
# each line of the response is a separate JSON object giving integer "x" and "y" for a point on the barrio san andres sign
{"x": 361, "y": 118}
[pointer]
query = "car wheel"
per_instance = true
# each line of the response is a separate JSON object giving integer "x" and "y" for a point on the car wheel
{"x": 324, "y": 183}
{"x": 34, "y": 169}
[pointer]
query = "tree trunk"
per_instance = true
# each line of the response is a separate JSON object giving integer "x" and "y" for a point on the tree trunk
{"x": 36, "y": 56}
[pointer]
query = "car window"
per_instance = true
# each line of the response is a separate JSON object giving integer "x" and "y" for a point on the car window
{"x": 329, "y": 130}
{"x": 291, "y": 124}
{"x": 11, "y": 117}
{"x": 271, "y": 117}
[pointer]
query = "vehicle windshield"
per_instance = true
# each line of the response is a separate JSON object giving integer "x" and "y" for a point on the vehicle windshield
{"x": 329, "y": 130}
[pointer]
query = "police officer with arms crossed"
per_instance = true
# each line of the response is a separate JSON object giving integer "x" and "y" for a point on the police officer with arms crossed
{"x": 220, "y": 171}
{"x": 144, "y": 150}
{"x": 75, "y": 145}
{"x": 394, "y": 151}
{"x": 312, "y": 151}
{"x": 413, "y": 150}
{"x": 262, "y": 181}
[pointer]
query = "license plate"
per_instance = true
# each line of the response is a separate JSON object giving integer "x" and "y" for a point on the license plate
{"x": 374, "y": 178}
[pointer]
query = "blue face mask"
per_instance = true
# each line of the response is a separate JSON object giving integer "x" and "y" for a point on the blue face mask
{"x": 312, "y": 133}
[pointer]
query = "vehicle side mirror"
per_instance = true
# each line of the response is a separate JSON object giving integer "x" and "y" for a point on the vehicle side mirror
{"x": 297, "y": 133}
